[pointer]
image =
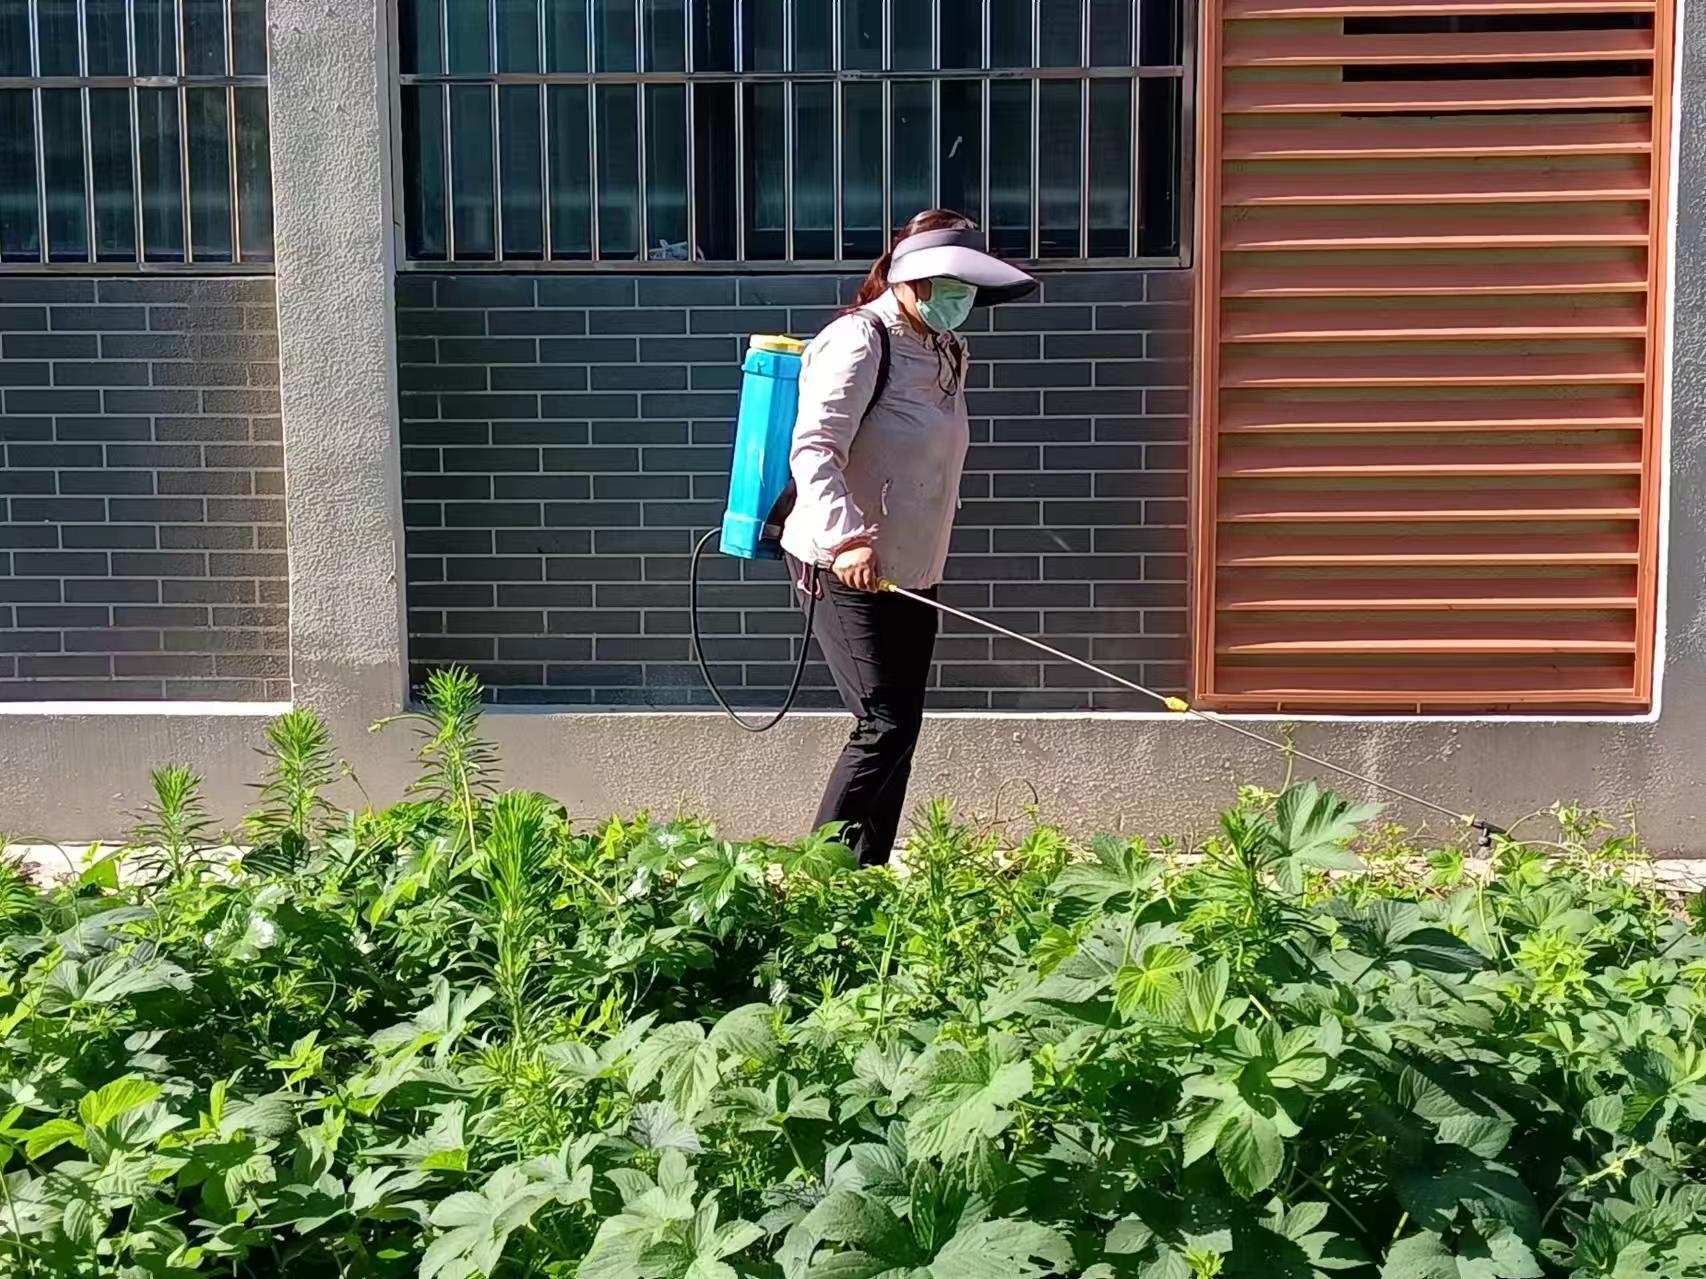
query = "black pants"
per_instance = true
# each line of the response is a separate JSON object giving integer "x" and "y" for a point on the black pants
{"x": 878, "y": 648}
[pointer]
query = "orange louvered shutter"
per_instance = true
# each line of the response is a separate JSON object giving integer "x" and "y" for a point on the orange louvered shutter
{"x": 1428, "y": 344}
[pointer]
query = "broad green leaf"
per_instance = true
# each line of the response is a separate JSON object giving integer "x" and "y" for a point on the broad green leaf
{"x": 1428, "y": 1256}
{"x": 1311, "y": 828}
{"x": 1604, "y": 1113}
{"x": 1118, "y": 872}
{"x": 81, "y": 1223}
{"x": 1204, "y": 1129}
{"x": 120, "y": 1097}
{"x": 1249, "y": 1151}
{"x": 1202, "y": 995}
{"x": 1432, "y": 1186}
{"x": 679, "y": 1057}
{"x": 1152, "y": 983}
{"x": 656, "y": 1127}
{"x": 748, "y": 1031}
{"x": 102, "y": 873}
{"x": 1088, "y": 972}
{"x": 1015, "y": 1249}
{"x": 274, "y": 1115}
{"x": 1483, "y": 1135}
{"x": 50, "y": 1136}
{"x": 960, "y": 1100}
{"x": 1392, "y": 932}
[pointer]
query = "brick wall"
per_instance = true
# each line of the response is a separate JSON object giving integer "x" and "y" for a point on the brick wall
{"x": 141, "y": 490}
{"x": 566, "y": 438}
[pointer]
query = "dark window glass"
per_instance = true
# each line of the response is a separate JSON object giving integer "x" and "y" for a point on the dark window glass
{"x": 766, "y": 173}
{"x": 614, "y": 30}
{"x": 518, "y": 35}
{"x": 522, "y": 182}
{"x": 910, "y": 151}
{"x": 1010, "y": 33}
{"x": 210, "y": 175}
{"x": 618, "y": 171}
{"x": 472, "y": 204}
{"x": 204, "y": 37}
{"x": 469, "y": 38}
{"x": 571, "y": 171}
{"x": 813, "y": 49}
{"x": 1162, "y": 29}
{"x": 249, "y": 36}
{"x": 765, "y": 35}
{"x": 814, "y": 171}
{"x": 1050, "y": 164}
{"x": 665, "y": 24}
{"x": 1061, "y": 36}
{"x": 1111, "y": 168}
{"x": 19, "y": 236}
{"x": 1010, "y": 168}
{"x": 961, "y": 147}
{"x": 109, "y": 161}
{"x": 713, "y": 37}
{"x": 162, "y": 175}
{"x": 1158, "y": 167}
{"x": 862, "y": 34}
{"x": 14, "y": 37}
{"x": 423, "y": 150}
{"x": 715, "y": 172}
{"x": 156, "y": 38}
{"x": 1110, "y": 33}
{"x": 109, "y": 52}
{"x": 56, "y": 23}
{"x": 254, "y": 177}
{"x": 565, "y": 35}
{"x": 1060, "y": 151}
{"x": 666, "y": 172}
{"x": 862, "y": 234}
{"x": 418, "y": 37}
{"x": 962, "y": 33}
{"x": 62, "y": 149}
{"x": 910, "y": 27}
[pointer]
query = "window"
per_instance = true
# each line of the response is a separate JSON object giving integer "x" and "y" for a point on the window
{"x": 787, "y": 131}
{"x": 110, "y": 111}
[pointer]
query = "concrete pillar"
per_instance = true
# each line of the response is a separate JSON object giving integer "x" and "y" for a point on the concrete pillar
{"x": 331, "y": 157}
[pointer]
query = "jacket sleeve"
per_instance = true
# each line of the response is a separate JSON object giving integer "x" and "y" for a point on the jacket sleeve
{"x": 837, "y": 379}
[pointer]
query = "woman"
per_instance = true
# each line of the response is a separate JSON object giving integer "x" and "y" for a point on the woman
{"x": 878, "y": 448}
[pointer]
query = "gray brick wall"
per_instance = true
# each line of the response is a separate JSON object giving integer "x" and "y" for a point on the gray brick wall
{"x": 141, "y": 490}
{"x": 566, "y": 438}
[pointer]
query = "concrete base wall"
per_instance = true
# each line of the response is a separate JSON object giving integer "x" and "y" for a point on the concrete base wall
{"x": 1137, "y": 775}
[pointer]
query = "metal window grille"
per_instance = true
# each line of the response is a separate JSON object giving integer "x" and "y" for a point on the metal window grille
{"x": 570, "y": 134}
{"x": 134, "y": 136}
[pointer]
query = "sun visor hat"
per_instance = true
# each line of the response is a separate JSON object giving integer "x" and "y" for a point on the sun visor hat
{"x": 958, "y": 255}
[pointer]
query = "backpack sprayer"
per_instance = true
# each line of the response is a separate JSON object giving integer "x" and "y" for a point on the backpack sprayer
{"x": 761, "y": 496}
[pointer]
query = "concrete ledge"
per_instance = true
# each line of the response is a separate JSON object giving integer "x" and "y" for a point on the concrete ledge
{"x": 74, "y": 778}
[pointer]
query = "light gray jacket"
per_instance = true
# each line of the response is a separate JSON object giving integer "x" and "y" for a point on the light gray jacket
{"x": 891, "y": 480}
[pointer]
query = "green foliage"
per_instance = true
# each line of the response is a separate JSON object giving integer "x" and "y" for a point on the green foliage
{"x": 462, "y": 1037}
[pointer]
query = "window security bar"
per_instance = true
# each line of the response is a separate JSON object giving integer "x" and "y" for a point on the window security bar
{"x": 110, "y": 112}
{"x": 777, "y": 134}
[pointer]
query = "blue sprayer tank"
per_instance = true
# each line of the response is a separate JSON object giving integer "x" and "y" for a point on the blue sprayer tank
{"x": 764, "y": 435}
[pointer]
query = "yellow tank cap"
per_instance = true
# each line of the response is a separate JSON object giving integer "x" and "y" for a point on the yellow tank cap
{"x": 777, "y": 344}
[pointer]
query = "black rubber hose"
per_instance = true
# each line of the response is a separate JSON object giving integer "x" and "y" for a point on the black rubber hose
{"x": 705, "y": 667}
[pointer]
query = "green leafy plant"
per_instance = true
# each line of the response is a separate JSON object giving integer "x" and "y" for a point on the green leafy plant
{"x": 462, "y": 1037}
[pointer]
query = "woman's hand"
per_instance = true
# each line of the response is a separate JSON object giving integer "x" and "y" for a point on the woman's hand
{"x": 857, "y": 569}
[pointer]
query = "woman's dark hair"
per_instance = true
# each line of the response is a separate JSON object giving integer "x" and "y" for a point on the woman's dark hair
{"x": 950, "y": 351}
{"x": 877, "y": 282}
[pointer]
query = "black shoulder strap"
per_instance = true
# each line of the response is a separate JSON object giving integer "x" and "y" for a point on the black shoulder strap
{"x": 885, "y": 360}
